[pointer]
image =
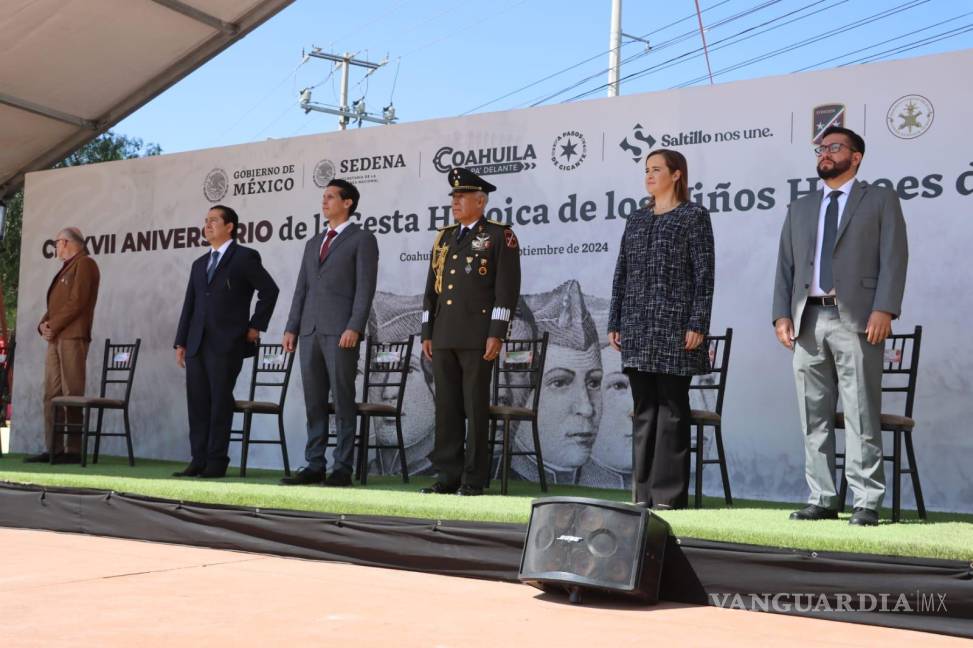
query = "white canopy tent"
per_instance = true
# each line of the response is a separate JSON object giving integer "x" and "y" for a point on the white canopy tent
{"x": 72, "y": 69}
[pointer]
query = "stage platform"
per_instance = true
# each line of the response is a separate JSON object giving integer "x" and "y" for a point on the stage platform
{"x": 914, "y": 575}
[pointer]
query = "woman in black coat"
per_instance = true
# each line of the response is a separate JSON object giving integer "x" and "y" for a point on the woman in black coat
{"x": 662, "y": 295}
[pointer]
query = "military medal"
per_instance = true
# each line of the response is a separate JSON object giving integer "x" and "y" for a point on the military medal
{"x": 482, "y": 242}
{"x": 469, "y": 265}
{"x": 483, "y": 267}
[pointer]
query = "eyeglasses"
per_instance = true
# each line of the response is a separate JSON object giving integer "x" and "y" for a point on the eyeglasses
{"x": 831, "y": 148}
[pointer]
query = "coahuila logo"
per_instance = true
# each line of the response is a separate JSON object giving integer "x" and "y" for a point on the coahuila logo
{"x": 486, "y": 161}
{"x": 569, "y": 150}
{"x": 247, "y": 182}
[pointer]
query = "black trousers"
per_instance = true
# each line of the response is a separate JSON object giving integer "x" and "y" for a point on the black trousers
{"x": 462, "y": 379}
{"x": 210, "y": 378}
{"x": 660, "y": 438}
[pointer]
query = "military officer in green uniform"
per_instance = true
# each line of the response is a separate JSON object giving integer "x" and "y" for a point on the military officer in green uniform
{"x": 471, "y": 294}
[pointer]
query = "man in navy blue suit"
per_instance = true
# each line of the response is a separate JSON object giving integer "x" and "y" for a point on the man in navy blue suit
{"x": 216, "y": 331}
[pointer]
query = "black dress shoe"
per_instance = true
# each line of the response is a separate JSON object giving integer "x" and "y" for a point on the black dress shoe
{"x": 864, "y": 517}
{"x": 43, "y": 457}
{"x": 189, "y": 471}
{"x": 438, "y": 488}
{"x": 303, "y": 476}
{"x": 338, "y": 478}
{"x": 67, "y": 458}
{"x": 213, "y": 472}
{"x": 468, "y": 491}
{"x": 814, "y": 512}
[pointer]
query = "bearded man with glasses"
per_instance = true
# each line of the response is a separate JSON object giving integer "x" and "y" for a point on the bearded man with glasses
{"x": 841, "y": 273}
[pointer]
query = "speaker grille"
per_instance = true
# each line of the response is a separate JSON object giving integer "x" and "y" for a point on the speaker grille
{"x": 595, "y": 543}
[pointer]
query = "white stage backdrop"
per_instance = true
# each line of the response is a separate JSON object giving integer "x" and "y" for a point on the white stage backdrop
{"x": 568, "y": 176}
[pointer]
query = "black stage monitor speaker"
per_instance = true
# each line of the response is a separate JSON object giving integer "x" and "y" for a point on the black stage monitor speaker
{"x": 577, "y": 543}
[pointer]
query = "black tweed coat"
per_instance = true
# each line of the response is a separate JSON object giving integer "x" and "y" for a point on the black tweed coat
{"x": 663, "y": 287}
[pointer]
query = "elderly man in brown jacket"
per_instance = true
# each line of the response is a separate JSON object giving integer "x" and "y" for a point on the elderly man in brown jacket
{"x": 66, "y": 326}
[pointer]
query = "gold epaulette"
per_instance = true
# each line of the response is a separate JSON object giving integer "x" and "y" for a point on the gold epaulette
{"x": 497, "y": 223}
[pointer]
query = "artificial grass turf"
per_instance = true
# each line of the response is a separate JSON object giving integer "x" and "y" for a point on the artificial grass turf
{"x": 944, "y": 535}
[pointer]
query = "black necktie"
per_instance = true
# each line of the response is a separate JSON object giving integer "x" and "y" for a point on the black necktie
{"x": 462, "y": 234}
{"x": 211, "y": 269}
{"x": 826, "y": 279}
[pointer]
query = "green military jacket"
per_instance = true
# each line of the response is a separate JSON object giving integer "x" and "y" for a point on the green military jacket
{"x": 473, "y": 286}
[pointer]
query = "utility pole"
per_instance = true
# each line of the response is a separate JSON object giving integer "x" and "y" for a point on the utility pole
{"x": 615, "y": 47}
{"x": 347, "y": 113}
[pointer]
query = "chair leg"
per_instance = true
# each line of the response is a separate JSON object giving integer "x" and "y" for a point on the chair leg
{"x": 724, "y": 472}
{"x": 842, "y": 491}
{"x": 492, "y": 444}
{"x": 896, "y": 476}
{"x": 541, "y": 473}
{"x": 356, "y": 446}
{"x": 402, "y": 461}
{"x": 505, "y": 457}
{"x": 914, "y": 473}
{"x": 56, "y": 432}
{"x": 84, "y": 437}
{"x": 363, "y": 449}
{"x": 245, "y": 442}
{"x": 128, "y": 436}
{"x": 94, "y": 457}
{"x": 700, "y": 438}
{"x": 283, "y": 444}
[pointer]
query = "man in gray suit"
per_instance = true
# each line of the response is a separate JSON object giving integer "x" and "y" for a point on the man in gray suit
{"x": 840, "y": 278}
{"x": 332, "y": 299}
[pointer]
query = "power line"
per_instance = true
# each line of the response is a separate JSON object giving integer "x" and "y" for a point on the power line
{"x": 678, "y": 59}
{"x": 395, "y": 80}
{"x": 914, "y": 45}
{"x": 587, "y": 60}
{"x": 479, "y": 21}
{"x": 243, "y": 116}
{"x": 878, "y": 44}
{"x": 354, "y": 31}
{"x": 813, "y": 39}
{"x": 741, "y": 36}
{"x": 702, "y": 34}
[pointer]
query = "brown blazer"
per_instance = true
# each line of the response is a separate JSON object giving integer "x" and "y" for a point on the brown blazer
{"x": 71, "y": 298}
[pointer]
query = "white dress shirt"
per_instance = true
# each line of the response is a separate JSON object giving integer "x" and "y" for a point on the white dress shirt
{"x": 845, "y": 189}
{"x": 338, "y": 230}
{"x": 222, "y": 252}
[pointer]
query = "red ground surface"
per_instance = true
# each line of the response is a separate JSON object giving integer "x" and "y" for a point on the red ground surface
{"x": 72, "y": 590}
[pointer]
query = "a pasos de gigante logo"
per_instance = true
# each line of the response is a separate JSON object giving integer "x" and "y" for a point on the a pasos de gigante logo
{"x": 495, "y": 160}
{"x": 248, "y": 182}
{"x": 569, "y": 150}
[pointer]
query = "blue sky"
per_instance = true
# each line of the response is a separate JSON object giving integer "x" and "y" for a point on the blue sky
{"x": 449, "y": 58}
